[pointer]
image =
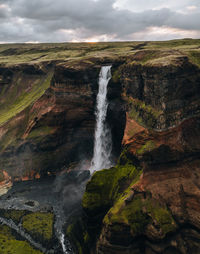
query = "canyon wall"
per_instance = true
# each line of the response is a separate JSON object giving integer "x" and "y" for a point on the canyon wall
{"x": 149, "y": 202}
{"x": 47, "y": 117}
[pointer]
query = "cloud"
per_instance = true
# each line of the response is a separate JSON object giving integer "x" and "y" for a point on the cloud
{"x": 99, "y": 20}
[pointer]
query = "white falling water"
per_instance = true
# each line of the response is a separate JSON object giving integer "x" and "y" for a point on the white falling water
{"x": 102, "y": 140}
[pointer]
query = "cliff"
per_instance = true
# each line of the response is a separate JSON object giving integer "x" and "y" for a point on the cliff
{"x": 47, "y": 107}
{"x": 148, "y": 202}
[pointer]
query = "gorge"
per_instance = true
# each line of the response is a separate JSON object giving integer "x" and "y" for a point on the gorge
{"x": 149, "y": 201}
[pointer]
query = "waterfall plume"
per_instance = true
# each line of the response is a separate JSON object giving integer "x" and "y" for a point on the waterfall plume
{"x": 102, "y": 139}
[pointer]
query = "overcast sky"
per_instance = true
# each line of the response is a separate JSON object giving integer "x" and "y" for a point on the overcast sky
{"x": 98, "y": 20}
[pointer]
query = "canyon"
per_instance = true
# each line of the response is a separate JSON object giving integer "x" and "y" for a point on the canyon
{"x": 149, "y": 201}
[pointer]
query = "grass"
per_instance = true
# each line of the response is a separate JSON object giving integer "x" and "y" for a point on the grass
{"x": 194, "y": 56}
{"x": 107, "y": 185}
{"x": 12, "y": 54}
{"x": 112, "y": 189}
{"x": 41, "y": 132}
{"x": 145, "y": 115}
{"x": 25, "y": 99}
{"x": 147, "y": 147}
{"x": 138, "y": 213}
{"x": 23, "y": 53}
{"x": 9, "y": 245}
{"x": 39, "y": 225}
{"x": 14, "y": 215}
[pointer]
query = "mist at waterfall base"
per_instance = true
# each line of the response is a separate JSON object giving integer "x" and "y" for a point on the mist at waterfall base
{"x": 61, "y": 195}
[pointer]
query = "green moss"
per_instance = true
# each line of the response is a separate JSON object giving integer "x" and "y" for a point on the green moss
{"x": 98, "y": 190}
{"x": 9, "y": 245}
{"x": 40, "y": 225}
{"x": 147, "y": 147}
{"x": 125, "y": 158}
{"x": 145, "y": 115}
{"x": 164, "y": 219}
{"x": 175, "y": 44}
{"x": 40, "y": 132}
{"x": 116, "y": 76}
{"x": 25, "y": 99}
{"x": 15, "y": 215}
{"x": 194, "y": 56}
{"x": 107, "y": 185}
{"x": 79, "y": 236}
{"x": 138, "y": 213}
{"x": 86, "y": 237}
{"x": 147, "y": 55}
{"x": 124, "y": 176}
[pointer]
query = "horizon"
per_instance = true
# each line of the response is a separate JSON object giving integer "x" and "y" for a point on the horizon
{"x": 93, "y": 42}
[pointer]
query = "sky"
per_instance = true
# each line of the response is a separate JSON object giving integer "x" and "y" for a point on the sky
{"x": 98, "y": 20}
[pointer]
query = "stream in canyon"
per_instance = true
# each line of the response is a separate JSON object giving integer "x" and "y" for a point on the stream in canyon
{"x": 62, "y": 195}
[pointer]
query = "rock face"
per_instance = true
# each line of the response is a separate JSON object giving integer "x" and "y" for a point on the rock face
{"x": 55, "y": 128}
{"x": 48, "y": 117}
{"x": 149, "y": 202}
{"x": 170, "y": 92}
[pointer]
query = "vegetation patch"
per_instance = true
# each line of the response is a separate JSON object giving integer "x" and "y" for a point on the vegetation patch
{"x": 143, "y": 56}
{"x": 98, "y": 190}
{"x": 194, "y": 56}
{"x": 39, "y": 225}
{"x": 147, "y": 147}
{"x": 79, "y": 236}
{"x": 9, "y": 245}
{"x": 145, "y": 115}
{"x": 140, "y": 212}
{"x": 116, "y": 76}
{"x": 15, "y": 215}
{"x": 41, "y": 131}
{"x": 25, "y": 99}
{"x": 107, "y": 185}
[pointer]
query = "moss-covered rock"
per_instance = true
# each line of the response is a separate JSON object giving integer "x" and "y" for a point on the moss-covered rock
{"x": 79, "y": 236}
{"x": 106, "y": 186}
{"x": 139, "y": 213}
{"x": 147, "y": 147}
{"x": 9, "y": 244}
{"x": 15, "y": 215}
{"x": 144, "y": 114}
{"x": 116, "y": 76}
{"x": 39, "y": 225}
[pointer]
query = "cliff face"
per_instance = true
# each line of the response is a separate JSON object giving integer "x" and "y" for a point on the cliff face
{"x": 54, "y": 128}
{"x": 149, "y": 202}
{"x": 47, "y": 117}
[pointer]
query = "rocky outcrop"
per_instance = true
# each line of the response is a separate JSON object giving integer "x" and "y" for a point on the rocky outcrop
{"x": 160, "y": 95}
{"x": 148, "y": 203}
{"x": 5, "y": 182}
{"x": 56, "y": 126}
{"x": 49, "y": 120}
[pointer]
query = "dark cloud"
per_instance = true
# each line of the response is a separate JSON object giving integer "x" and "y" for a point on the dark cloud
{"x": 63, "y": 20}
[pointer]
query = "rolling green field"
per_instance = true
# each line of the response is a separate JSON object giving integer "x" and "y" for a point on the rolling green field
{"x": 11, "y": 54}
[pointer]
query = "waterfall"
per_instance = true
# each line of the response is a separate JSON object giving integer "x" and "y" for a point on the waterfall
{"x": 102, "y": 139}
